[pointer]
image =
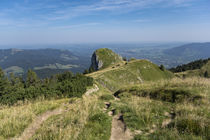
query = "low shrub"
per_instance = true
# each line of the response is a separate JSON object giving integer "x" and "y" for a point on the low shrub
{"x": 107, "y": 97}
{"x": 165, "y": 94}
{"x": 58, "y": 86}
{"x": 193, "y": 126}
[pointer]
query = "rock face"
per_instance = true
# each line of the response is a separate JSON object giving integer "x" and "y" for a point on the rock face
{"x": 96, "y": 64}
{"x": 103, "y": 58}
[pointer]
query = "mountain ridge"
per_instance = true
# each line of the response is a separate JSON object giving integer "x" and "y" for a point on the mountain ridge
{"x": 19, "y": 61}
{"x": 134, "y": 71}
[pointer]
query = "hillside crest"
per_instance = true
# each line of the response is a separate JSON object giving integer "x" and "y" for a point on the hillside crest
{"x": 113, "y": 73}
{"x": 103, "y": 58}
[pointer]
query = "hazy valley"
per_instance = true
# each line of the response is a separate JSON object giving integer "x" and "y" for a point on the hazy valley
{"x": 76, "y": 58}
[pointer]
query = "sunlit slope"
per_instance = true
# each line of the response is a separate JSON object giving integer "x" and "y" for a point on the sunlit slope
{"x": 130, "y": 73}
{"x": 62, "y": 119}
{"x": 204, "y": 71}
{"x": 206, "y": 68}
{"x": 168, "y": 110}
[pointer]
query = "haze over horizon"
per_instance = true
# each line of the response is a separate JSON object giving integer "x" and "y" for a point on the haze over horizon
{"x": 104, "y": 21}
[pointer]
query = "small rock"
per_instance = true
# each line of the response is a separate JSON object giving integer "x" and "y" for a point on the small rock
{"x": 151, "y": 131}
{"x": 153, "y": 126}
{"x": 137, "y": 132}
{"x": 167, "y": 114}
{"x": 104, "y": 109}
{"x": 166, "y": 122}
{"x": 110, "y": 113}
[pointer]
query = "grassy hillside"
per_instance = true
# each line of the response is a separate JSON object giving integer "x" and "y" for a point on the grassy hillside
{"x": 145, "y": 115}
{"x": 13, "y": 120}
{"x": 198, "y": 64}
{"x": 204, "y": 71}
{"x": 78, "y": 118}
{"x": 176, "y": 109}
{"x": 130, "y": 73}
{"x": 206, "y": 68}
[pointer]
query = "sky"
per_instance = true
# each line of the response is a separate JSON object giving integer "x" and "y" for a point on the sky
{"x": 103, "y": 21}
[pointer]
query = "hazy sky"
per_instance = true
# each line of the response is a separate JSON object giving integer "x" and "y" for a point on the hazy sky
{"x": 99, "y": 21}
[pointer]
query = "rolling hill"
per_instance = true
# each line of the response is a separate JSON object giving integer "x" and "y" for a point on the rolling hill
{"x": 193, "y": 50}
{"x": 53, "y": 61}
{"x": 185, "y": 54}
{"x": 120, "y": 73}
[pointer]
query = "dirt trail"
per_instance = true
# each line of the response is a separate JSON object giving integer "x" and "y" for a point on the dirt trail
{"x": 30, "y": 131}
{"x": 36, "y": 124}
{"x": 171, "y": 116}
{"x": 92, "y": 90}
{"x": 119, "y": 130}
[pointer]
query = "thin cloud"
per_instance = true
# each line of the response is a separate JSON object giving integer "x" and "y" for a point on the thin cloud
{"x": 112, "y": 6}
{"x": 142, "y": 20}
{"x": 44, "y": 12}
{"x": 76, "y": 25}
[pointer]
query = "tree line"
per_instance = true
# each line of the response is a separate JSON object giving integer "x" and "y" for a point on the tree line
{"x": 67, "y": 84}
{"x": 190, "y": 66}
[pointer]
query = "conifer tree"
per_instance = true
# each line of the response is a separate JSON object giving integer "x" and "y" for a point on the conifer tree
{"x": 162, "y": 67}
{"x": 4, "y": 84}
{"x": 31, "y": 79}
{"x": 86, "y": 71}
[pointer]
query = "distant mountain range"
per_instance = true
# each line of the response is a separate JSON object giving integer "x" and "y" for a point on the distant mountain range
{"x": 190, "y": 51}
{"x": 186, "y": 53}
{"x": 46, "y": 62}
{"x": 170, "y": 57}
{"x": 43, "y": 61}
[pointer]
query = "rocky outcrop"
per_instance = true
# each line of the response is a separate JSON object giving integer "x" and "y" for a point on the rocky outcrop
{"x": 103, "y": 58}
{"x": 96, "y": 64}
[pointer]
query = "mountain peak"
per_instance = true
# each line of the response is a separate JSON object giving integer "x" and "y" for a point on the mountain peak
{"x": 103, "y": 58}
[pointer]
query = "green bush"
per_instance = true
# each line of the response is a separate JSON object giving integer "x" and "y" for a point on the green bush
{"x": 165, "y": 94}
{"x": 58, "y": 86}
{"x": 107, "y": 97}
{"x": 193, "y": 126}
{"x": 198, "y": 64}
{"x": 162, "y": 67}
